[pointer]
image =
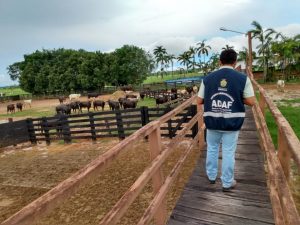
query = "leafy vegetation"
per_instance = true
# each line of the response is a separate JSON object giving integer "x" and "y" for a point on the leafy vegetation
{"x": 276, "y": 51}
{"x": 47, "y": 71}
{"x": 159, "y": 79}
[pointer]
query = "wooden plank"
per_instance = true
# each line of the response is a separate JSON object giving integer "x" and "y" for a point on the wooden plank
{"x": 183, "y": 215}
{"x": 250, "y": 210}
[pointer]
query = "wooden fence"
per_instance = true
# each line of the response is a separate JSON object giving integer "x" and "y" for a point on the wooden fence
{"x": 278, "y": 164}
{"x": 119, "y": 123}
{"x": 13, "y": 133}
{"x": 157, "y": 207}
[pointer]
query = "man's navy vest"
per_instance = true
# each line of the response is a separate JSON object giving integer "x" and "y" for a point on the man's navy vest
{"x": 223, "y": 100}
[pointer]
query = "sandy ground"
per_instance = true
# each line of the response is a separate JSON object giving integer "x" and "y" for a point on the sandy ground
{"x": 27, "y": 172}
{"x": 291, "y": 91}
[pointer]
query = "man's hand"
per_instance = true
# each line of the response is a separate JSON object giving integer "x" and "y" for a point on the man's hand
{"x": 249, "y": 101}
{"x": 200, "y": 101}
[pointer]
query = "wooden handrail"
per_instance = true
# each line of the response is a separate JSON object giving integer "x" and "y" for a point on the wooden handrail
{"x": 289, "y": 134}
{"x": 157, "y": 200}
{"x": 284, "y": 208}
{"x": 120, "y": 207}
{"x": 44, "y": 204}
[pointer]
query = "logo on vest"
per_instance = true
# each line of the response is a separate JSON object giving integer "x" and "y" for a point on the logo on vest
{"x": 221, "y": 102}
{"x": 223, "y": 83}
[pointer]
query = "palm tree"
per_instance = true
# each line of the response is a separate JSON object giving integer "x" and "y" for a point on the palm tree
{"x": 214, "y": 61}
{"x": 171, "y": 57}
{"x": 192, "y": 51}
{"x": 286, "y": 52}
{"x": 202, "y": 50}
{"x": 185, "y": 59}
{"x": 227, "y": 47}
{"x": 264, "y": 37}
{"x": 160, "y": 54}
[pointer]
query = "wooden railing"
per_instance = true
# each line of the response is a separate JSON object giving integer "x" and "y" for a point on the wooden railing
{"x": 157, "y": 207}
{"x": 278, "y": 162}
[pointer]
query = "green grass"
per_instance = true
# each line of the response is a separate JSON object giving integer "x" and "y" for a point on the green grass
{"x": 9, "y": 91}
{"x": 159, "y": 79}
{"x": 150, "y": 102}
{"x": 291, "y": 101}
{"x": 292, "y": 116}
{"x": 30, "y": 112}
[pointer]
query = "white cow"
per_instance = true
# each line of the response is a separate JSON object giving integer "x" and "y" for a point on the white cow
{"x": 74, "y": 96}
{"x": 280, "y": 85}
{"x": 27, "y": 102}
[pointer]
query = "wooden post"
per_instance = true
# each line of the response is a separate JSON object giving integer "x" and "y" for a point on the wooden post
{"x": 262, "y": 103}
{"x": 31, "y": 131}
{"x": 200, "y": 124}
{"x": 92, "y": 123}
{"x": 66, "y": 129}
{"x": 195, "y": 127}
{"x": 157, "y": 179}
{"x": 249, "y": 61}
{"x": 46, "y": 130}
{"x": 284, "y": 154}
{"x": 119, "y": 120}
{"x": 10, "y": 120}
{"x": 170, "y": 130}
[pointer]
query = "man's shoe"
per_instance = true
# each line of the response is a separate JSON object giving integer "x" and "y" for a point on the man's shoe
{"x": 211, "y": 181}
{"x": 228, "y": 189}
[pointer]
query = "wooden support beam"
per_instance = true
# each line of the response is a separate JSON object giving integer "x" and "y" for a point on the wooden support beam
{"x": 158, "y": 178}
{"x": 284, "y": 154}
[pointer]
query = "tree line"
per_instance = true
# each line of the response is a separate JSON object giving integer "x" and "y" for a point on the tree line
{"x": 275, "y": 51}
{"x": 67, "y": 70}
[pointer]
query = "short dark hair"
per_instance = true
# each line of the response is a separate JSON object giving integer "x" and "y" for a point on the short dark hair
{"x": 228, "y": 56}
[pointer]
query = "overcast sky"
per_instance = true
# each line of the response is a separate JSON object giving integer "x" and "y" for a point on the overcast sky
{"x": 28, "y": 25}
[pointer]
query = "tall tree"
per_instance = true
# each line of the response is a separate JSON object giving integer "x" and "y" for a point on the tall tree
{"x": 185, "y": 59}
{"x": 192, "y": 51}
{"x": 227, "y": 47}
{"x": 171, "y": 57}
{"x": 160, "y": 54}
{"x": 264, "y": 37}
{"x": 202, "y": 50}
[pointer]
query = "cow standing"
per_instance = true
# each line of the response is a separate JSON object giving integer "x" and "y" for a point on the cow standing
{"x": 19, "y": 106}
{"x": 11, "y": 108}
{"x": 98, "y": 103}
{"x": 84, "y": 105}
{"x": 280, "y": 85}
{"x": 113, "y": 105}
{"x": 61, "y": 99}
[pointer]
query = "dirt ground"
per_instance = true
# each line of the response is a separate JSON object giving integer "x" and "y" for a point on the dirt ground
{"x": 27, "y": 172}
{"x": 291, "y": 91}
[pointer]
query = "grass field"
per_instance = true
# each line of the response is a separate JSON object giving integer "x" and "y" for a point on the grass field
{"x": 32, "y": 113}
{"x": 159, "y": 79}
{"x": 50, "y": 111}
{"x": 291, "y": 113}
{"x": 292, "y": 116}
{"x": 9, "y": 91}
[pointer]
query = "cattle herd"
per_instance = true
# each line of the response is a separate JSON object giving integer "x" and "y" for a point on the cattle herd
{"x": 73, "y": 104}
{"x": 11, "y": 108}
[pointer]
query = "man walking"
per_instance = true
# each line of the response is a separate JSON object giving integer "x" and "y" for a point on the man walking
{"x": 224, "y": 93}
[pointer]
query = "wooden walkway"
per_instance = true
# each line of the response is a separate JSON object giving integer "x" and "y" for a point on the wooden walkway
{"x": 249, "y": 203}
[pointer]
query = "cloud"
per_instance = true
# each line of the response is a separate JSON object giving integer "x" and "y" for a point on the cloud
{"x": 105, "y": 25}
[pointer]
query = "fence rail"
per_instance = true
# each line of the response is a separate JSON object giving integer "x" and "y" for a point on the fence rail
{"x": 119, "y": 123}
{"x": 284, "y": 208}
{"x": 157, "y": 208}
